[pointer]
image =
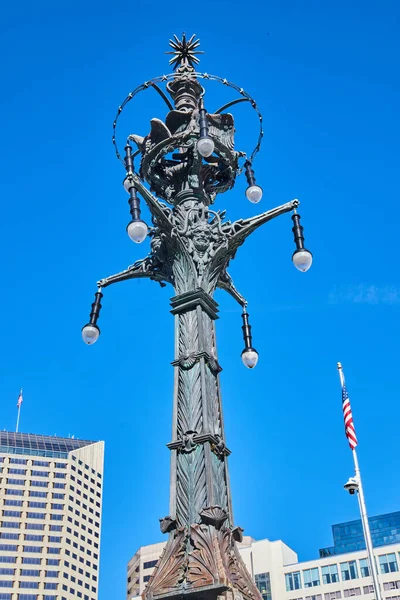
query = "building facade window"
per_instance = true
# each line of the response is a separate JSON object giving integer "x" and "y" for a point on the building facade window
{"x": 293, "y": 581}
{"x": 330, "y": 574}
{"x": 30, "y": 560}
{"x": 30, "y": 572}
{"x": 352, "y": 592}
{"x": 15, "y": 492}
{"x": 311, "y": 577}
{"x": 8, "y": 559}
{"x": 37, "y": 494}
{"x": 32, "y": 549}
{"x": 12, "y": 513}
{"x": 6, "y": 535}
{"x": 368, "y": 589}
{"x": 12, "y": 502}
{"x": 364, "y": 567}
{"x": 391, "y": 585}
{"x": 16, "y": 481}
{"x": 262, "y": 581}
{"x": 40, "y": 473}
{"x": 388, "y": 563}
{"x": 349, "y": 570}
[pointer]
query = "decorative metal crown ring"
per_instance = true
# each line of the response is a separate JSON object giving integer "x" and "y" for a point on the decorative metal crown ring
{"x": 153, "y": 83}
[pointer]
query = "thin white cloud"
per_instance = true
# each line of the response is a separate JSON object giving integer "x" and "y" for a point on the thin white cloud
{"x": 362, "y": 293}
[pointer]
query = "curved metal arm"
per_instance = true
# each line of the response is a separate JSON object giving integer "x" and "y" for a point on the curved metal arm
{"x": 157, "y": 208}
{"x": 225, "y": 282}
{"x": 139, "y": 269}
{"x": 241, "y": 229}
{"x": 236, "y": 233}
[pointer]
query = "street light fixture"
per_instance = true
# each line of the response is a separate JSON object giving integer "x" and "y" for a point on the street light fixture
{"x": 253, "y": 192}
{"x": 136, "y": 229}
{"x": 186, "y": 161}
{"x": 91, "y": 332}
{"x": 249, "y": 354}
{"x": 205, "y": 145}
{"x": 302, "y": 258}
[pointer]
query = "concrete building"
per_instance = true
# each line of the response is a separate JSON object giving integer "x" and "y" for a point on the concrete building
{"x": 255, "y": 554}
{"x": 50, "y": 503}
{"x": 279, "y": 576}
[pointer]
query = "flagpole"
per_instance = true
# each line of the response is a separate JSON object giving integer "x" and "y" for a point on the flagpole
{"x": 19, "y": 411}
{"x": 363, "y": 512}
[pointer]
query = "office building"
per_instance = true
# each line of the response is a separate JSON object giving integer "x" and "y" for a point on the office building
{"x": 344, "y": 576}
{"x": 50, "y": 502}
{"x": 279, "y": 576}
{"x": 255, "y": 554}
{"x": 348, "y": 537}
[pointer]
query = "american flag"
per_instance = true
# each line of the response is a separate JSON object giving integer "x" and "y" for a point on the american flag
{"x": 20, "y": 399}
{"x": 348, "y": 418}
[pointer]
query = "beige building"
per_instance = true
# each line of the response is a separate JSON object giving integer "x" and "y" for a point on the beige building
{"x": 279, "y": 576}
{"x": 255, "y": 555}
{"x": 50, "y": 503}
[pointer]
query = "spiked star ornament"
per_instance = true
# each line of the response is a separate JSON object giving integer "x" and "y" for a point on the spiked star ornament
{"x": 184, "y": 51}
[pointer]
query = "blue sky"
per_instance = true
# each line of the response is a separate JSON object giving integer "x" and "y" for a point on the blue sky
{"x": 325, "y": 76}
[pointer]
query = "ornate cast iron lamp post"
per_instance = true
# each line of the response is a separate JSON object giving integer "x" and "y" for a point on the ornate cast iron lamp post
{"x": 187, "y": 160}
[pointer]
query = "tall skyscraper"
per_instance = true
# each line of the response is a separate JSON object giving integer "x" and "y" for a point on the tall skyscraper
{"x": 50, "y": 502}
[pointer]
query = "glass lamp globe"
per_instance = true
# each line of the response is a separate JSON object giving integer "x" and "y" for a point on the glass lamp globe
{"x": 254, "y": 193}
{"x": 137, "y": 231}
{"x": 205, "y": 146}
{"x": 250, "y": 357}
{"x": 90, "y": 334}
{"x": 302, "y": 260}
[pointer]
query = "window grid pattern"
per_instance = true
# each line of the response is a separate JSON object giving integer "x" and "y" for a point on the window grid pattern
{"x": 45, "y": 486}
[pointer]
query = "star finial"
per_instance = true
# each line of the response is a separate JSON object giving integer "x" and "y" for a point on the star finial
{"x": 184, "y": 51}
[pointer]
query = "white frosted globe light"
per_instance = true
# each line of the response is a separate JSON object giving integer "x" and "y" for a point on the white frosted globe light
{"x": 90, "y": 334}
{"x": 205, "y": 146}
{"x": 137, "y": 231}
{"x": 250, "y": 358}
{"x": 302, "y": 260}
{"x": 254, "y": 193}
